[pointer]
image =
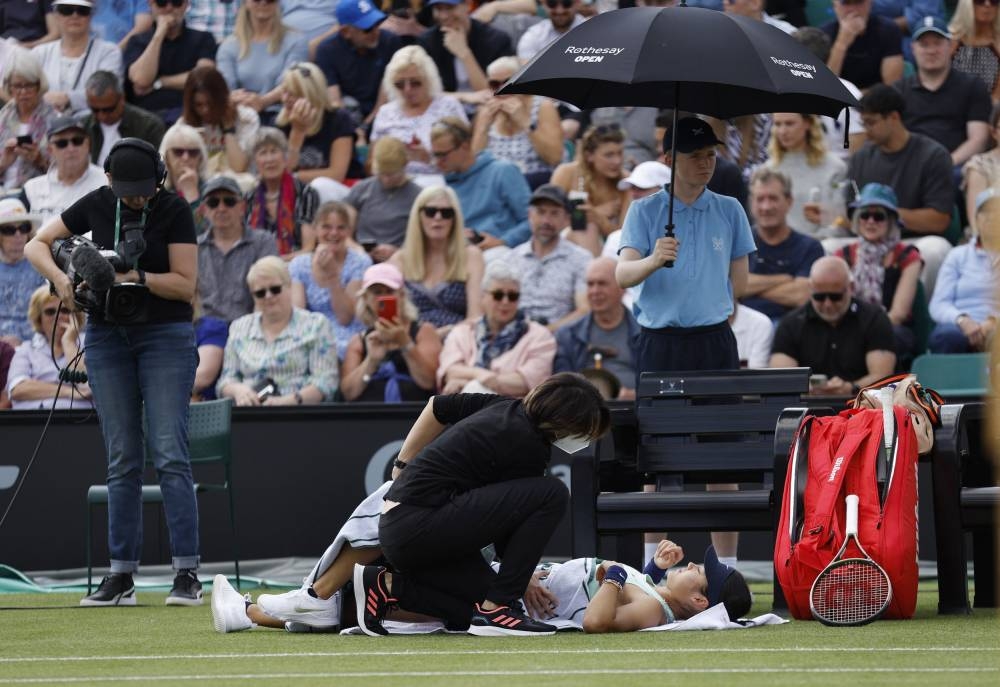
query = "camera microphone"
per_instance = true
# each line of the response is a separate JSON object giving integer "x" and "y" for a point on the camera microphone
{"x": 72, "y": 376}
{"x": 93, "y": 268}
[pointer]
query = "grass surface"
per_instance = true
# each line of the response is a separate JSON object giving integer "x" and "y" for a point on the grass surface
{"x": 48, "y": 639}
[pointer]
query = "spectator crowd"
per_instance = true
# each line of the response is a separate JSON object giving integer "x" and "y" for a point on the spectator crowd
{"x": 376, "y": 224}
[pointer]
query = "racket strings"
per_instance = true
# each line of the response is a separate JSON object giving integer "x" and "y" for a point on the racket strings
{"x": 851, "y": 592}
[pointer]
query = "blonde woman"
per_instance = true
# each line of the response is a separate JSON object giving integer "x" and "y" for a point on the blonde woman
{"x": 320, "y": 137}
{"x": 416, "y": 100}
{"x": 24, "y": 120}
{"x": 186, "y": 156}
{"x": 443, "y": 272}
{"x": 256, "y": 56}
{"x": 798, "y": 149}
{"x": 975, "y": 30}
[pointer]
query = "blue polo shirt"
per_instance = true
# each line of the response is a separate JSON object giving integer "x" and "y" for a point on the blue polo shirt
{"x": 696, "y": 292}
{"x": 358, "y": 75}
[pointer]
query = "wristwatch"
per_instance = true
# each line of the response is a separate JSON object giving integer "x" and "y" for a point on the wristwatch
{"x": 157, "y": 85}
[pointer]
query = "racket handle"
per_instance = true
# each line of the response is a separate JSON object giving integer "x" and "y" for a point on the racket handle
{"x": 851, "y": 518}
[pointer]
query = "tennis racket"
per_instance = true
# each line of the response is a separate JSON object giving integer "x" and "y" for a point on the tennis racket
{"x": 850, "y": 591}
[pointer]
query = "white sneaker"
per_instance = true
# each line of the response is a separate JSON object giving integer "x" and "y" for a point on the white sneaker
{"x": 229, "y": 609}
{"x": 298, "y": 606}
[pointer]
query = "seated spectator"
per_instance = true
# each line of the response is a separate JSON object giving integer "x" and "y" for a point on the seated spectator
{"x": 72, "y": 174}
{"x": 595, "y": 174}
{"x": 982, "y": 171}
{"x": 18, "y": 279}
{"x": 835, "y": 334}
{"x": 562, "y": 15}
{"x": 395, "y": 358}
{"x": 553, "y": 270}
{"x": 227, "y": 251}
{"x": 328, "y": 279}
{"x": 6, "y": 355}
{"x": 908, "y": 15}
{"x": 384, "y": 200}
{"x": 754, "y": 332}
{"x": 462, "y": 48}
{"x": 607, "y": 337}
{"x": 119, "y": 20}
{"x": 443, "y": 271}
{"x": 917, "y": 168}
{"x": 33, "y": 377}
{"x": 942, "y": 103}
{"x": 69, "y": 61}
{"x": 493, "y": 193}
{"x": 415, "y": 102}
{"x": 976, "y": 32}
{"x": 159, "y": 60}
{"x": 281, "y": 203}
{"x": 227, "y": 129}
{"x": 320, "y": 137}
{"x": 502, "y": 352}
{"x": 646, "y": 179}
{"x": 963, "y": 305}
{"x": 210, "y": 335}
{"x": 798, "y": 149}
{"x": 257, "y": 54}
{"x": 278, "y": 344}
{"x": 779, "y": 269}
{"x": 24, "y": 119}
{"x": 884, "y": 270}
{"x": 186, "y": 157}
{"x": 866, "y": 48}
{"x": 112, "y": 119}
{"x": 523, "y": 129}
{"x": 28, "y": 22}
{"x": 354, "y": 59}
{"x": 638, "y": 125}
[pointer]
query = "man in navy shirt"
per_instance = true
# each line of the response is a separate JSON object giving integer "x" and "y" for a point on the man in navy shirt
{"x": 462, "y": 47}
{"x": 353, "y": 60}
{"x": 866, "y": 49}
{"x": 779, "y": 269}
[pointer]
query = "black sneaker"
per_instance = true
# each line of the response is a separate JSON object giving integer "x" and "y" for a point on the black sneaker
{"x": 117, "y": 589}
{"x": 371, "y": 597}
{"x": 186, "y": 590}
{"x": 507, "y": 621}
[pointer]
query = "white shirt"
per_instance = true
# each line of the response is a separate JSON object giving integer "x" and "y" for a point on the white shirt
{"x": 48, "y": 196}
{"x": 539, "y": 35}
{"x": 754, "y": 334}
{"x": 834, "y": 128}
{"x": 779, "y": 23}
{"x": 111, "y": 135}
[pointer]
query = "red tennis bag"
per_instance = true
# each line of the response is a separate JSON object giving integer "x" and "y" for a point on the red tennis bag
{"x": 830, "y": 458}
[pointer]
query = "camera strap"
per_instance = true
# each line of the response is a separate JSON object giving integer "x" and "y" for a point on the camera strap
{"x": 118, "y": 225}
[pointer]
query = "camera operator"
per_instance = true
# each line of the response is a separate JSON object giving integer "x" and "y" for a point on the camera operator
{"x": 147, "y": 364}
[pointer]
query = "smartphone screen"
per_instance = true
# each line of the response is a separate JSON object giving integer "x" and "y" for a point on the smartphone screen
{"x": 387, "y": 307}
{"x": 24, "y": 140}
{"x": 577, "y": 217}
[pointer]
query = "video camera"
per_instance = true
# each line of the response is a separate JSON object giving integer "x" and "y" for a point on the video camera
{"x": 83, "y": 261}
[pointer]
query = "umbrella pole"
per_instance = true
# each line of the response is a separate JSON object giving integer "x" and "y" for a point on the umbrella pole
{"x": 669, "y": 229}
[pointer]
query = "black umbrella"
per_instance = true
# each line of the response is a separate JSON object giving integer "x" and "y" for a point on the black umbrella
{"x": 686, "y": 58}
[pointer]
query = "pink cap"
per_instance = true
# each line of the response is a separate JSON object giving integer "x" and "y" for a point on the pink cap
{"x": 383, "y": 273}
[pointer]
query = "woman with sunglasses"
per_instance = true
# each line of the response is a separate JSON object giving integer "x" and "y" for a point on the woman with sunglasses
{"x": 523, "y": 129}
{"x": 256, "y": 56}
{"x": 280, "y": 346}
{"x": 320, "y": 137}
{"x": 442, "y": 270}
{"x": 33, "y": 378}
{"x": 975, "y": 30}
{"x": 186, "y": 156}
{"x": 18, "y": 279}
{"x": 328, "y": 280}
{"x": 416, "y": 100}
{"x": 593, "y": 177}
{"x": 24, "y": 120}
{"x": 502, "y": 352}
{"x": 885, "y": 271}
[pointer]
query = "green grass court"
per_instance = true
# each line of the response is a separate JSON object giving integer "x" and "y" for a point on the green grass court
{"x": 48, "y": 639}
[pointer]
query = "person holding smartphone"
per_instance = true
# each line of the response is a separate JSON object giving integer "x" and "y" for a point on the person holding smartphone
{"x": 23, "y": 121}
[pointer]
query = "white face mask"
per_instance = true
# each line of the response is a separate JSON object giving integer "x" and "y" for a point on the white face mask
{"x": 573, "y": 443}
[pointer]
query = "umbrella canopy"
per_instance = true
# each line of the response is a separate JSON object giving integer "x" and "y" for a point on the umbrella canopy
{"x": 686, "y": 58}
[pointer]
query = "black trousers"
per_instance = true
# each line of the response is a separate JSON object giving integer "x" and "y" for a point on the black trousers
{"x": 676, "y": 349}
{"x": 435, "y": 554}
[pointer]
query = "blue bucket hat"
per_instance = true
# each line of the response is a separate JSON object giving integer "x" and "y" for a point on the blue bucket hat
{"x": 876, "y": 194}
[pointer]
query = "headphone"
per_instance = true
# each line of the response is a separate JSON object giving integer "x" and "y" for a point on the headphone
{"x": 148, "y": 149}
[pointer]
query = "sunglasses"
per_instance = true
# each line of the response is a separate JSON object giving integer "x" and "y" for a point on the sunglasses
{"x": 50, "y": 312}
{"x": 833, "y": 296}
{"x": 552, "y": 4}
{"x": 69, "y": 10}
{"x": 11, "y": 229}
{"x": 499, "y": 295}
{"x": 260, "y": 293}
{"x": 164, "y": 3}
{"x": 442, "y": 154}
{"x": 874, "y": 215}
{"x": 981, "y": 3}
{"x": 104, "y": 110}
{"x": 230, "y": 202}
{"x": 403, "y": 83}
{"x": 443, "y": 213}
{"x": 185, "y": 152}
{"x": 495, "y": 84}
{"x": 604, "y": 129}
{"x": 77, "y": 141}
{"x": 301, "y": 69}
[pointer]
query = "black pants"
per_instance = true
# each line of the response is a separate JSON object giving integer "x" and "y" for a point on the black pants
{"x": 435, "y": 552}
{"x": 677, "y": 349}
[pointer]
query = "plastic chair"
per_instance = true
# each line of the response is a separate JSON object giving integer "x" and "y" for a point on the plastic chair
{"x": 209, "y": 435}
{"x": 957, "y": 374}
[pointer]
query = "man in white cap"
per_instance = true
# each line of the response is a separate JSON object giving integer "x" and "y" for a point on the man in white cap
{"x": 646, "y": 179}
{"x": 71, "y": 176}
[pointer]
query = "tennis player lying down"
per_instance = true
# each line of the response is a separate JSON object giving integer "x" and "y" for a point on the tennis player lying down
{"x": 584, "y": 593}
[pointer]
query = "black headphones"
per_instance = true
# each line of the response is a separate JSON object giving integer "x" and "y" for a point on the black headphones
{"x": 147, "y": 148}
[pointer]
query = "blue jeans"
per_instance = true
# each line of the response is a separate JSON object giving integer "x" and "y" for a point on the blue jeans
{"x": 151, "y": 366}
{"x": 948, "y": 338}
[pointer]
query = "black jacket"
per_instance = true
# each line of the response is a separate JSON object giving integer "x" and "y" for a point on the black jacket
{"x": 486, "y": 42}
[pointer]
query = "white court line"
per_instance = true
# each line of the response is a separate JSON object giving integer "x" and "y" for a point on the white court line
{"x": 479, "y": 652}
{"x": 484, "y": 673}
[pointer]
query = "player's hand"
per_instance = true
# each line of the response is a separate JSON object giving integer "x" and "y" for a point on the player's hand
{"x": 665, "y": 249}
{"x": 667, "y": 555}
{"x": 539, "y": 601}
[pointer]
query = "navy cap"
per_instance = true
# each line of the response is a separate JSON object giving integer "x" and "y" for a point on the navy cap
{"x": 360, "y": 14}
{"x": 931, "y": 23}
{"x": 692, "y": 134}
{"x": 726, "y": 585}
